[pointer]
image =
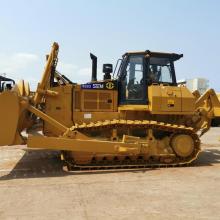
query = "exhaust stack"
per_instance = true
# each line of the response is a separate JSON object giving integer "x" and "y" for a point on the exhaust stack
{"x": 94, "y": 67}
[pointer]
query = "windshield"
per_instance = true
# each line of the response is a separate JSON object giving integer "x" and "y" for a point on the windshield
{"x": 160, "y": 71}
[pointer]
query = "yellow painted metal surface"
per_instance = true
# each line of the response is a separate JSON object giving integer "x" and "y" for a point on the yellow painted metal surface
{"x": 133, "y": 108}
{"x": 170, "y": 100}
{"x": 9, "y": 117}
{"x": 60, "y": 108}
{"x": 22, "y": 88}
{"x": 78, "y": 145}
{"x": 188, "y": 100}
{"x": 217, "y": 107}
{"x": 43, "y": 85}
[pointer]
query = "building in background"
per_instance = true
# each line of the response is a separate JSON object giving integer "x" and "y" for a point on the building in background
{"x": 200, "y": 84}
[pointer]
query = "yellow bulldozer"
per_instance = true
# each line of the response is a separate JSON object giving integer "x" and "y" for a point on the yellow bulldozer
{"x": 135, "y": 117}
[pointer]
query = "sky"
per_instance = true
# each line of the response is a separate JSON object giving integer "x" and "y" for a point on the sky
{"x": 108, "y": 28}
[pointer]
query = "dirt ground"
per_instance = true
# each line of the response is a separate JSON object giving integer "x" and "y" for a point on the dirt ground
{"x": 33, "y": 186}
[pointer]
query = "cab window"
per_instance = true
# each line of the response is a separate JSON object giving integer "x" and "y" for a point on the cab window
{"x": 133, "y": 81}
{"x": 160, "y": 71}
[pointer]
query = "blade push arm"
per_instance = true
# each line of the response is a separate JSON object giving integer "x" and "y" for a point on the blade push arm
{"x": 43, "y": 85}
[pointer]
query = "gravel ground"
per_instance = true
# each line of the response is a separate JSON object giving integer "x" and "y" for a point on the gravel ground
{"x": 33, "y": 186}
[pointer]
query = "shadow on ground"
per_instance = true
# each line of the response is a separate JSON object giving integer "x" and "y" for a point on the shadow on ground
{"x": 208, "y": 157}
{"x": 40, "y": 164}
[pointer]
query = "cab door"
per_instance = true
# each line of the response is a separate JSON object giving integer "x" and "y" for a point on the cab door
{"x": 132, "y": 86}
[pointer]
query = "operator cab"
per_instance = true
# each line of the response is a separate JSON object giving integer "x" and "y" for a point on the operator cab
{"x": 139, "y": 70}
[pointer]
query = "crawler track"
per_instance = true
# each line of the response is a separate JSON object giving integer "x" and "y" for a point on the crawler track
{"x": 139, "y": 162}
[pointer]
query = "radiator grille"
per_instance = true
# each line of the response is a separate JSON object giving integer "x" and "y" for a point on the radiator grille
{"x": 105, "y": 96}
{"x": 77, "y": 100}
{"x": 97, "y": 100}
{"x": 105, "y": 106}
{"x": 90, "y": 105}
{"x": 90, "y": 96}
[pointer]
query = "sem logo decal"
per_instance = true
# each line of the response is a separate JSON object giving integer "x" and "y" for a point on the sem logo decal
{"x": 110, "y": 85}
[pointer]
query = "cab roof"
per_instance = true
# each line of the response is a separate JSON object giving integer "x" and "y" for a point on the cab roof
{"x": 172, "y": 56}
{"x": 2, "y": 78}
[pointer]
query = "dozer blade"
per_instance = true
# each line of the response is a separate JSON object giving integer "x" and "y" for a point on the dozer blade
{"x": 9, "y": 116}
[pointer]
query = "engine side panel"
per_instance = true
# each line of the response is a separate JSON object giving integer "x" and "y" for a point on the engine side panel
{"x": 170, "y": 100}
{"x": 188, "y": 100}
{"x": 94, "y": 105}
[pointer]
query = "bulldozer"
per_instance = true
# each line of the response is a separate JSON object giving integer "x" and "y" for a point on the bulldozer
{"x": 6, "y": 83}
{"x": 137, "y": 116}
